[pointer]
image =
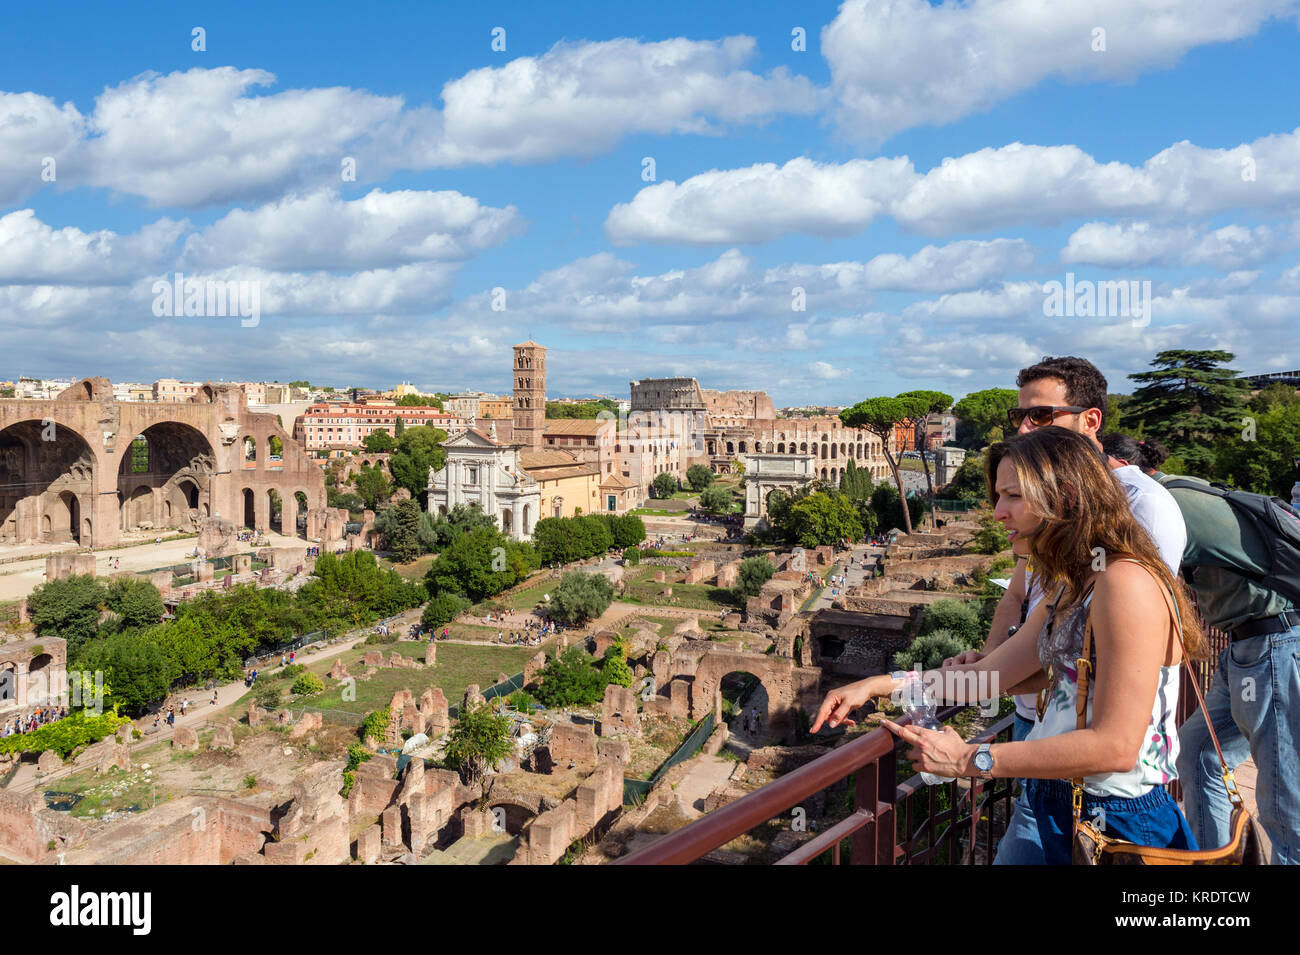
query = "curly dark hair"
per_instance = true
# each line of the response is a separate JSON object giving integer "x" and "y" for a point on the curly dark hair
{"x": 1148, "y": 454}
{"x": 1085, "y": 386}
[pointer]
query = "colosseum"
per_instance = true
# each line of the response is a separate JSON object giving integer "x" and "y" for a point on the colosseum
{"x": 85, "y": 468}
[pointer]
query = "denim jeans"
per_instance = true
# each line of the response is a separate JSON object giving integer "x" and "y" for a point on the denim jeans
{"x": 1153, "y": 819}
{"x": 1254, "y": 702}
{"x": 1020, "y": 844}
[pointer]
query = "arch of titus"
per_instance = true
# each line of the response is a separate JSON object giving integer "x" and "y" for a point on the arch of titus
{"x": 84, "y": 468}
{"x": 765, "y": 473}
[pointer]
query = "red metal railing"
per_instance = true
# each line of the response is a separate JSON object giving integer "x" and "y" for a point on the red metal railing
{"x": 891, "y": 823}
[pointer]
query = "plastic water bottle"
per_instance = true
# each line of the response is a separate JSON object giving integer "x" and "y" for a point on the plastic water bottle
{"x": 920, "y": 707}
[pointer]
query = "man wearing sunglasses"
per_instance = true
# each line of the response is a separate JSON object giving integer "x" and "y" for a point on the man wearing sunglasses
{"x": 1068, "y": 393}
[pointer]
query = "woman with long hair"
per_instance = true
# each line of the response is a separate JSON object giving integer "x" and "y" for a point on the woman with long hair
{"x": 1053, "y": 492}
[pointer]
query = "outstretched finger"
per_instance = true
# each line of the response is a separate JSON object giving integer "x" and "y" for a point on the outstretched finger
{"x": 905, "y": 733}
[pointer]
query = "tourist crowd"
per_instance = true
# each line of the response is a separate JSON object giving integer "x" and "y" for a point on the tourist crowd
{"x": 33, "y": 721}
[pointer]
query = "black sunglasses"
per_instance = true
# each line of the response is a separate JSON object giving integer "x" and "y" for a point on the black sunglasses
{"x": 1040, "y": 416}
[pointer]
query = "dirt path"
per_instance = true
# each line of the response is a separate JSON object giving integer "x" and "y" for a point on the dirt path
{"x": 706, "y": 774}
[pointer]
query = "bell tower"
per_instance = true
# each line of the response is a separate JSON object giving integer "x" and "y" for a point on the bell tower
{"x": 529, "y": 374}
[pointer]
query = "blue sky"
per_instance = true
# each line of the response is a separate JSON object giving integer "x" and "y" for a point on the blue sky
{"x": 1163, "y": 150}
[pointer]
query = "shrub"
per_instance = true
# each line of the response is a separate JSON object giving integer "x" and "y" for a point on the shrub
{"x": 307, "y": 684}
{"x": 291, "y": 671}
{"x": 269, "y": 698}
{"x": 570, "y": 680}
{"x": 580, "y": 596}
{"x": 443, "y": 609}
{"x": 375, "y": 725}
{"x": 992, "y": 536}
{"x": 615, "y": 669}
{"x": 928, "y": 652}
{"x": 753, "y": 574}
{"x": 250, "y": 781}
{"x": 959, "y": 617}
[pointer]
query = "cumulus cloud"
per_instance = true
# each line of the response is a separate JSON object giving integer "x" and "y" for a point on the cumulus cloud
{"x": 33, "y": 130}
{"x": 580, "y": 99}
{"x": 990, "y": 188}
{"x": 825, "y": 371}
{"x": 762, "y": 202}
{"x": 323, "y": 231}
{"x": 904, "y": 63}
{"x": 33, "y": 253}
{"x": 1135, "y": 244}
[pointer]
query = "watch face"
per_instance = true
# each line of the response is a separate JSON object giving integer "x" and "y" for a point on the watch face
{"x": 983, "y": 761}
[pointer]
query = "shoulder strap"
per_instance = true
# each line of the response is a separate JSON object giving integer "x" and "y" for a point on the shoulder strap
{"x": 1085, "y": 673}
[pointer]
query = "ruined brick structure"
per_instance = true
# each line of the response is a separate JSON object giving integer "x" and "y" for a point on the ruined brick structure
{"x": 84, "y": 467}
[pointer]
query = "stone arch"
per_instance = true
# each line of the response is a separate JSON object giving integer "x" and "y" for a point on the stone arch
{"x": 138, "y": 508}
{"x": 557, "y": 507}
{"x": 176, "y": 461}
{"x": 785, "y": 687}
{"x": 833, "y": 454}
{"x": 780, "y": 448}
{"x": 507, "y": 521}
{"x": 742, "y": 447}
{"x": 803, "y": 447}
{"x": 275, "y": 510}
{"x": 518, "y": 816}
{"x": 47, "y": 478}
{"x": 250, "y": 508}
{"x": 250, "y": 450}
{"x": 527, "y": 528}
{"x": 731, "y": 448}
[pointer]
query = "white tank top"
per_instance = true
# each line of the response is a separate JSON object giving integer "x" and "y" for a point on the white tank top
{"x": 1156, "y": 760}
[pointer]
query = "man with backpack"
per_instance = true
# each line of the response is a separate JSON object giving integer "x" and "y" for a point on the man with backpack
{"x": 1242, "y": 560}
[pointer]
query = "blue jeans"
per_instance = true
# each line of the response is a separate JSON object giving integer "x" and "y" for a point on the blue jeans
{"x": 1254, "y": 702}
{"x": 1153, "y": 819}
{"x": 1020, "y": 844}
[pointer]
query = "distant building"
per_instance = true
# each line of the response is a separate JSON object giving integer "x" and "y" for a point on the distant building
{"x": 333, "y": 425}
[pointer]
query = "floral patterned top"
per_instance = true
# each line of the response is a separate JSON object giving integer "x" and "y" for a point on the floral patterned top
{"x": 1059, "y": 647}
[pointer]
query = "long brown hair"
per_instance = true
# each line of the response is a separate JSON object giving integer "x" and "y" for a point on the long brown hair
{"x": 1067, "y": 485}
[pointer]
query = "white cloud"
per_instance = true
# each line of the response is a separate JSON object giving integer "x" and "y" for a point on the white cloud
{"x": 762, "y": 202}
{"x": 1135, "y": 244}
{"x": 32, "y": 129}
{"x": 33, "y": 253}
{"x": 958, "y": 265}
{"x": 905, "y": 63}
{"x": 990, "y": 188}
{"x": 199, "y": 137}
{"x": 825, "y": 371}
{"x": 580, "y": 99}
{"x": 323, "y": 231}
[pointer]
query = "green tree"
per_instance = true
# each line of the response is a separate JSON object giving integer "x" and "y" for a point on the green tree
{"x": 401, "y": 530}
{"x": 137, "y": 602}
{"x": 961, "y": 618}
{"x": 419, "y": 401}
{"x": 67, "y": 608}
{"x": 889, "y": 512}
{"x": 372, "y": 486}
{"x": 664, "y": 485}
{"x": 481, "y": 564}
{"x": 698, "y": 477}
{"x": 580, "y": 597}
{"x": 928, "y": 652}
{"x": 615, "y": 669}
{"x": 823, "y": 518}
{"x": 991, "y": 537}
{"x": 379, "y": 441}
{"x": 1191, "y": 403}
{"x": 855, "y": 482}
{"x": 419, "y": 448}
{"x": 981, "y": 413}
{"x": 437, "y": 532}
{"x": 927, "y": 403}
{"x": 308, "y": 683}
{"x": 134, "y": 665}
{"x": 881, "y": 417}
{"x": 628, "y": 530}
{"x": 442, "y": 610}
{"x": 968, "y": 483}
{"x": 569, "y": 679}
{"x": 717, "y": 499}
{"x": 582, "y": 409}
{"x": 480, "y": 739}
{"x": 753, "y": 573}
{"x": 1266, "y": 463}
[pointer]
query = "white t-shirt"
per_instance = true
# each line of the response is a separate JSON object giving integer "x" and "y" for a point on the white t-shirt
{"x": 1157, "y": 511}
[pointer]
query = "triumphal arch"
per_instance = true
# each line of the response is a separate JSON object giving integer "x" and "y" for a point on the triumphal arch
{"x": 86, "y": 468}
{"x": 767, "y": 473}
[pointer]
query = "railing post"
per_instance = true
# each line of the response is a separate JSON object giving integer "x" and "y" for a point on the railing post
{"x": 886, "y": 801}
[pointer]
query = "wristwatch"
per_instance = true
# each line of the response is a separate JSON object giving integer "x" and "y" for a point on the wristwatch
{"x": 984, "y": 761}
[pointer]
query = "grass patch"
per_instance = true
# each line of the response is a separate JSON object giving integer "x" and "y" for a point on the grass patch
{"x": 415, "y": 570}
{"x": 458, "y": 666}
{"x": 691, "y": 596}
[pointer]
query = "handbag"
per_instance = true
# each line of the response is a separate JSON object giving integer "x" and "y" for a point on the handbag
{"x": 1092, "y": 847}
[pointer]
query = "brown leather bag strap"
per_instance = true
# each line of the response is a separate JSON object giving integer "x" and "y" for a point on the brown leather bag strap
{"x": 1084, "y": 682}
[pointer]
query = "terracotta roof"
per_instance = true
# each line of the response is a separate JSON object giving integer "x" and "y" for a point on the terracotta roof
{"x": 618, "y": 481}
{"x": 554, "y": 464}
{"x": 576, "y": 426}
